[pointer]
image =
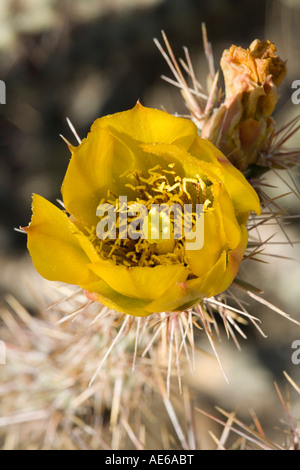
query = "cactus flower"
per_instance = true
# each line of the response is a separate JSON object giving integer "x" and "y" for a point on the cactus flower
{"x": 147, "y": 157}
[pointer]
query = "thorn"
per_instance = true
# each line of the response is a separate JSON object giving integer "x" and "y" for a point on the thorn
{"x": 73, "y": 130}
{"x": 20, "y": 229}
{"x": 65, "y": 140}
{"x": 60, "y": 203}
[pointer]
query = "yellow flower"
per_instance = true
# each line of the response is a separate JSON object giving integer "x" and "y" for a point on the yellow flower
{"x": 149, "y": 157}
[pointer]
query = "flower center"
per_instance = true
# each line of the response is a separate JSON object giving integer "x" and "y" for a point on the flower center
{"x": 148, "y": 230}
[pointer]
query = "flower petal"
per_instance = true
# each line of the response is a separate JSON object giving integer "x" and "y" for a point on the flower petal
{"x": 223, "y": 205}
{"x": 224, "y": 271}
{"x": 96, "y": 166}
{"x": 174, "y": 298}
{"x": 194, "y": 290}
{"x": 186, "y": 164}
{"x": 140, "y": 282}
{"x": 204, "y": 151}
{"x": 58, "y": 250}
{"x": 100, "y": 292}
{"x": 221, "y": 232}
{"x": 150, "y": 126}
{"x": 244, "y": 197}
{"x": 184, "y": 294}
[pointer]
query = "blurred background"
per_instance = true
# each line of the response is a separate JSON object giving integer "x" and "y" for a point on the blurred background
{"x": 86, "y": 59}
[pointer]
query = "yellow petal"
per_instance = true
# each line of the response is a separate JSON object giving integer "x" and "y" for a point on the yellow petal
{"x": 140, "y": 282}
{"x": 150, "y": 126}
{"x": 204, "y": 151}
{"x": 214, "y": 243}
{"x": 193, "y": 291}
{"x": 100, "y": 292}
{"x": 224, "y": 271}
{"x": 181, "y": 294}
{"x": 216, "y": 280}
{"x": 178, "y": 295}
{"x": 96, "y": 166}
{"x": 221, "y": 232}
{"x": 185, "y": 163}
{"x": 244, "y": 197}
{"x": 223, "y": 205}
{"x": 185, "y": 294}
{"x": 58, "y": 250}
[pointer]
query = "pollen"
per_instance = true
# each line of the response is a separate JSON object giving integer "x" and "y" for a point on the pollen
{"x": 149, "y": 218}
